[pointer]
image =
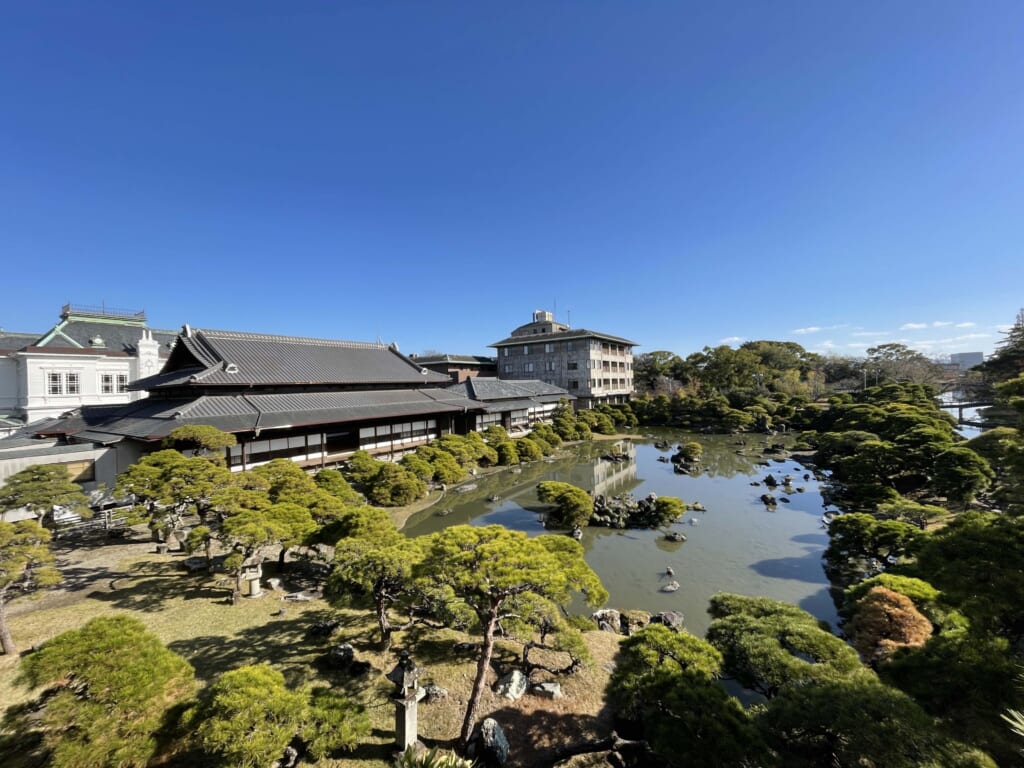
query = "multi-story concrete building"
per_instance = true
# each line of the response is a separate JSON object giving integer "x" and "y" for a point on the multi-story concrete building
{"x": 964, "y": 361}
{"x": 87, "y": 358}
{"x": 595, "y": 367}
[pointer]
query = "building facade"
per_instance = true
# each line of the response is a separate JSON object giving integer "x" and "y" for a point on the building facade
{"x": 592, "y": 366}
{"x": 88, "y": 358}
{"x": 964, "y": 361}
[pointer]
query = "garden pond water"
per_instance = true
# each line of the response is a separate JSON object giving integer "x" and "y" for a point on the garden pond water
{"x": 735, "y": 545}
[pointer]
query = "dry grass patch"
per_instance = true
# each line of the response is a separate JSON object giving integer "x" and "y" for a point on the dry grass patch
{"x": 191, "y": 615}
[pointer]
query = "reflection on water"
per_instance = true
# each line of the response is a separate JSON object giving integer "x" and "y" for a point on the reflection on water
{"x": 736, "y": 545}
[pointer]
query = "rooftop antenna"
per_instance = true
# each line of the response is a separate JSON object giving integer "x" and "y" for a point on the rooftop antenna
{"x": 568, "y": 318}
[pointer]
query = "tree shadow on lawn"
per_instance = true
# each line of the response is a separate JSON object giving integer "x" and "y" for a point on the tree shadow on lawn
{"x": 285, "y": 643}
{"x": 536, "y": 734}
{"x": 77, "y": 578}
{"x": 149, "y": 586}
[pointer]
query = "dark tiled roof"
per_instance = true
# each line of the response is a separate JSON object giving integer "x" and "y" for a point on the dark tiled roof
{"x": 45, "y": 449}
{"x": 572, "y": 334}
{"x": 116, "y": 337}
{"x": 12, "y": 341}
{"x": 17, "y": 442}
{"x": 487, "y": 389}
{"x": 500, "y": 406}
{"x": 153, "y": 418}
{"x": 454, "y": 359}
{"x": 232, "y": 359}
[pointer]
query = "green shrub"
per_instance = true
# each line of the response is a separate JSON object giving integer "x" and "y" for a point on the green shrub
{"x": 528, "y": 450}
{"x": 507, "y": 453}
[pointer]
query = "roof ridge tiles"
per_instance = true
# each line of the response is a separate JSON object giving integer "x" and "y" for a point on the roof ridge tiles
{"x": 242, "y": 335}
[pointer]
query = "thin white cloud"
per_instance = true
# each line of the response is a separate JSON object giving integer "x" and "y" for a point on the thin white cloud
{"x": 732, "y": 340}
{"x": 913, "y": 326}
{"x": 965, "y": 325}
{"x": 819, "y": 328}
{"x": 968, "y": 336}
{"x": 869, "y": 333}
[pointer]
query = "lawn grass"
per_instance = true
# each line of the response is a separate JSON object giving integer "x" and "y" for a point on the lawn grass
{"x": 191, "y": 614}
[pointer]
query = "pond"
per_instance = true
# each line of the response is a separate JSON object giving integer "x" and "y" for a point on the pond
{"x": 736, "y": 545}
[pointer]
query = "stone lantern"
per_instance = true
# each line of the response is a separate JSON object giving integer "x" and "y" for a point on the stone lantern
{"x": 252, "y": 572}
{"x": 406, "y": 695}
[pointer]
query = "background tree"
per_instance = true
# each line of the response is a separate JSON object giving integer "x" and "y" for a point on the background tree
{"x": 665, "y": 681}
{"x": 978, "y": 563}
{"x": 885, "y": 621}
{"x": 249, "y": 716}
{"x": 200, "y": 439}
{"x": 25, "y": 564}
{"x": 859, "y": 543}
{"x": 167, "y": 485}
{"x": 769, "y": 645}
{"x": 249, "y": 531}
{"x": 1008, "y": 360}
{"x": 849, "y": 721}
{"x": 109, "y": 687}
{"x": 573, "y": 506}
{"x": 897, "y": 362}
{"x": 964, "y": 677}
{"x": 378, "y": 563}
{"x": 333, "y": 722}
{"x": 488, "y": 569}
{"x": 286, "y": 481}
{"x": 653, "y": 371}
{"x": 333, "y": 482}
{"x": 42, "y": 488}
{"x": 908, "y": 511}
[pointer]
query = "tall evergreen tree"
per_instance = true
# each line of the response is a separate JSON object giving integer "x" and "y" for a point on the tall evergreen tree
{"x": 26, "y": 563}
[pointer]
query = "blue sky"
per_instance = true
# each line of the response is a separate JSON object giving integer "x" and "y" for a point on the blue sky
{"x": 682, "y": 174}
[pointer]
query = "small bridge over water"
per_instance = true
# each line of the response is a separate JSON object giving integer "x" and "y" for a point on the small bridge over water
{"x": 961, "y": 405}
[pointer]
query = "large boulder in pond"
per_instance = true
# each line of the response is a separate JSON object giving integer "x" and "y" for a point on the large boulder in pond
{"x": 671, "y": 619}
{"x": 608, "y": 620}
{"x": 513, "y": 685}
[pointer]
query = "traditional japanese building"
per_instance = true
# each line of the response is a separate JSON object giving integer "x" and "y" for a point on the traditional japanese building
{"x": 595, "y": 367}
{"x": 313, "y": 401}
{"x": 514, "y": 405}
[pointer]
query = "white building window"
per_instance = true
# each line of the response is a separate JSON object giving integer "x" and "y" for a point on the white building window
{"x": 526, "y": 349}
{"x": 71, "y": 383}
{"x": 507, "y": 350}
{"x": 54, "y": 384}
{"x": 549, "y": 365}
{"x": 549, "y": 347}
{"x": 529, "y": 367}
{"x": 107, "y": 383}
{"x": 122, "y": 382}
{"x": 508, "y": 369}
